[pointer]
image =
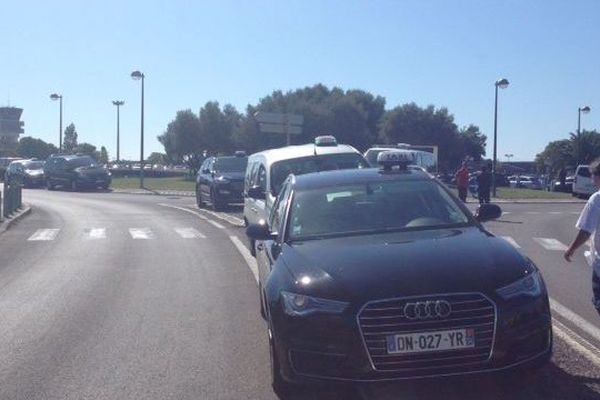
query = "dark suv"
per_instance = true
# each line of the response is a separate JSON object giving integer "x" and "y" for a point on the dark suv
{"x": 75, "y": 172}
{"x": 220, "y": 181}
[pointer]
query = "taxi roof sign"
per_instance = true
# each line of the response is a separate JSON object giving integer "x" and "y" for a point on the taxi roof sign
{"x": 395, "y": 158}
{"x": 325, "y": 140}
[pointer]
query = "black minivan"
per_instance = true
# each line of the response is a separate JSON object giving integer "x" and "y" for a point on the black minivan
{"x": 75, "y": 172}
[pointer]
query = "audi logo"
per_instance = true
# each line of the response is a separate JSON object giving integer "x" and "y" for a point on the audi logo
{"x": 427, "y": 309}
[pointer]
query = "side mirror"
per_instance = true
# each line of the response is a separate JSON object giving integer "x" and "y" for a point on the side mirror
{"x": 488, "y": 212}
{"x": 260, "y": 231}
{"x": 256, "y": 192}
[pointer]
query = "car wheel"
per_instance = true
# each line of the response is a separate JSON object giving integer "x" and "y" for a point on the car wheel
{"x": 281, "y": 387}
{"x": 199, "y": 201}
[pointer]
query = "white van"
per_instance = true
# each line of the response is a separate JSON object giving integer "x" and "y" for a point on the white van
{"x": 267, "y": 170}
{"x": 583, "y": 184}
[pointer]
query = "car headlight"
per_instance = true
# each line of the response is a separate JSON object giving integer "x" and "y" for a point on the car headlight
{"x": 222, "y": 179}
{"x": 529, "y": 286}
{"x": 299, "y": 305}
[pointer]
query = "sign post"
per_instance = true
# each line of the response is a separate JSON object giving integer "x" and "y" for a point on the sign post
{"x": 283, "y": 123}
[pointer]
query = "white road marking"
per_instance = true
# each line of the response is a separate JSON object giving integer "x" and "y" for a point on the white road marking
{"x": 532, "y": 212}
{"x": 551, "y": 244}
{"x": 506, "y": 212}
{"x": 251, "y": 261}
{"x": 575, "y": 319}
{"x": 235, "y": 221}
{"x": 576, "y": 342}
{"x": 574, "y": 212}
{"x": 141, "y": 233}
{"x": 96, "y": 233}
{"x": 44, "y": 235}
{"x": 189, "y": 233}
{"x": 202, "y": 217}
{"x": 512, "y": 241}
{"x": 555, "y": 212}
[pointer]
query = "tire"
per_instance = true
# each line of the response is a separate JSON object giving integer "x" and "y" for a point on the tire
{"x": 199, "y": 201}
{"x": 252, "y": 247}
{"x": 281, "y": 387}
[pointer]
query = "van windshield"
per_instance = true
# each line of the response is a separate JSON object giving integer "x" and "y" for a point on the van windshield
{"x": 304, "y": 165}
{"x": 584, "y": 171}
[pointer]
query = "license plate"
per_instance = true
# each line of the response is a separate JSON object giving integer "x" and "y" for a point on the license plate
{"x": 431, "y": 341}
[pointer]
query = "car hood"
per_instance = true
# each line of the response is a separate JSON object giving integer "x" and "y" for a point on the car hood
{"x": 404, "y": 264}
{"x": 232, "y": 176}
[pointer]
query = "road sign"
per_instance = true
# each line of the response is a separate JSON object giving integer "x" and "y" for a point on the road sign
{"x": 279, "y": 118}
{"x": 278, "y": 128}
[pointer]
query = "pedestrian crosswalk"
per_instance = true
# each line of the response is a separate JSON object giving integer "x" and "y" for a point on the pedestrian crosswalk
{"x": 93, "y": 234}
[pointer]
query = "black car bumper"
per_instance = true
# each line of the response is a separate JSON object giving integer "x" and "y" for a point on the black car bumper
{"x": 230, "y": 193}
{"x": 324, "y": 348}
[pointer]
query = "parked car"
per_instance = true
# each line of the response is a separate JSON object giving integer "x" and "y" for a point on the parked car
{"x": 556, "y": 186}
{"x": 583, "y": 184}
{"x": 4, "y": 163}
{"x": 75, "y": 172}
{"x": 29, "y": 172}
{"x": 525, "y": 182}
{"x": 268, "y": 169}
{"x": 220, "y": 181}
{"x": 372, "y": 275}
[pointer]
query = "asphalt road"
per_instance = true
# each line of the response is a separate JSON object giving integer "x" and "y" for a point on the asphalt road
{"x": 114, "y": 296}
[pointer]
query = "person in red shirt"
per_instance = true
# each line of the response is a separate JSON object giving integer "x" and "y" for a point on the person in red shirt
{"x": 462, "y": 181}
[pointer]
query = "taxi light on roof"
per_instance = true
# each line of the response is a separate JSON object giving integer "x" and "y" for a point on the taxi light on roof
{"x": 327, "y": 140}
{"x": 391, "y": 158}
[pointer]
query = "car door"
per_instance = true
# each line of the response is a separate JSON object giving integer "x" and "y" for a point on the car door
{"x": 268, "y": 251}
{"x": 204, "y": 178}
{"x": 60, "y": 172}
{"x": 251, "y": 172}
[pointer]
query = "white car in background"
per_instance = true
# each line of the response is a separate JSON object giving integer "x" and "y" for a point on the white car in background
{"x": 583, "y": 184}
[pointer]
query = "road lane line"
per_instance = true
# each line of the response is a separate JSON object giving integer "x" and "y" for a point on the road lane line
{"x": 575, "y": 319}
{"x": 202, "y": 217}
{"x": 555, "y": 212}
{"x": 532, "y": 212}
{"x": 96, "y": 233}
{"x": 511, "y": 241}
{"x": 250, "y": 261}
{"x": 44, "y": 235}
{"x": 141, "y": 233}
{"x": 235, "y": 221}
{"x": 189, "y": 233}
{"x": 551, "y": 244}
{"x": 576, "y": 342}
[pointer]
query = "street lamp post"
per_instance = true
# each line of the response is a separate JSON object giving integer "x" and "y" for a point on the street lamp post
{"x": 502, "y": 84}
{"x": 55, "y": 96}
{"x": 137, "y": 75}
{"x": 508, "y": 156}
{"x": 118, "y": 103}
{"x": 585, "y": 110}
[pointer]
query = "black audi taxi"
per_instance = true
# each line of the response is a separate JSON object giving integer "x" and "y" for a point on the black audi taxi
{"x": 383, "y": 274}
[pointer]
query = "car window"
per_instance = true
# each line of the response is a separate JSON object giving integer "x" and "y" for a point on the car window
{"x": 278, "y": 210}
{"x": 231, "y": 164}
{"x": 584, "y": 172}
{"x": 250, "y": 175}
{"x": 373, "y": 207}
{"x": 304, "y": 165}
{"x": 261, "y": 179}
{"x": 82, "y": 162}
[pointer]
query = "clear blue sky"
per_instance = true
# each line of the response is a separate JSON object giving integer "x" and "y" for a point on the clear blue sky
{"x": 445, "y": 53}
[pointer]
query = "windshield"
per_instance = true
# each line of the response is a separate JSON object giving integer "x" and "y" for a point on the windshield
{"x": 299, "y": 166}
{"x": 373, "y": 207}
{"x": 231, "y": 164}
{"x": 82, "y": 162}
{"x": 33, "y": 165}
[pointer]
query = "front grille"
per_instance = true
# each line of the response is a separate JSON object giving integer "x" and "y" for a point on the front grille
{"x": 379, "y": 319}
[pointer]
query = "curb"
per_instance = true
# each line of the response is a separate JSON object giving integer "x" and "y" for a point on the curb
{"x": 8, "y": 222}
{"x": 155, "y": 192}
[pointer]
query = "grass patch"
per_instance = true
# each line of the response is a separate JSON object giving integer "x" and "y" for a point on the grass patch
{"x": 174, "y": 183}
{"x": 512, "y": 193}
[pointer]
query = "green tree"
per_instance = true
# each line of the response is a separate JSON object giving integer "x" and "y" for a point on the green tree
{"x": 183, "y": 140}
{"x": 87, "y": 149}
{"x": 70, "y": 139}
{"x": 577, "y": 149}
{"x": 157, "y": 158}
{"x": 35, "y": 148}
{"x": 103, "y": 158}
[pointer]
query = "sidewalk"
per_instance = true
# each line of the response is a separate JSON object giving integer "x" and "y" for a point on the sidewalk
{"x": 6, "y": 223}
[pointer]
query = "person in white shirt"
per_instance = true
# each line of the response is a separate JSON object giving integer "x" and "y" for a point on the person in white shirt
{"x": 589, "y": 225}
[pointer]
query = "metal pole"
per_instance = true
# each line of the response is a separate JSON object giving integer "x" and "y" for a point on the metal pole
{"x": 495, "y": 142}
{"x": 60, "y": 128}
{"x": 142, "y": 140}
{"x": 118, "y": 139}
{"x": 287, "y": 129}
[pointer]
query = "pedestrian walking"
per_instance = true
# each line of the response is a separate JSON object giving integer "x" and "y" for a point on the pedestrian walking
{"x": 462, "y": 181}
{"x": 484, "y": 185}
{"x": 589, "y": 225}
